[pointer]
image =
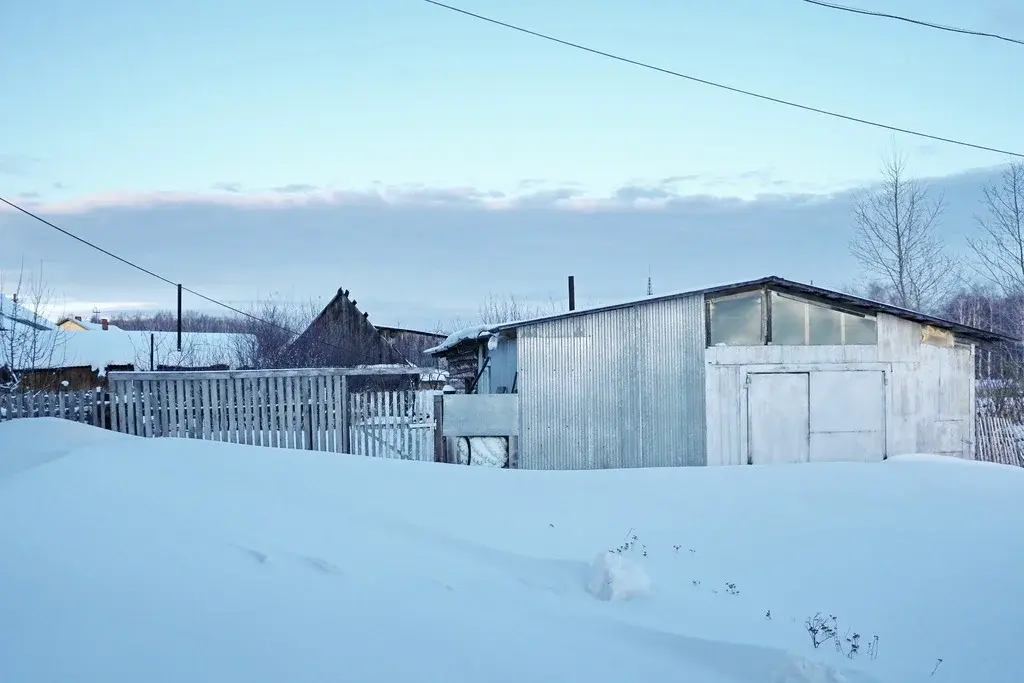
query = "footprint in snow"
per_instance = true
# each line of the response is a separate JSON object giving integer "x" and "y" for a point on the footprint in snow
{"x": 323, "y": 566}
{"x": 256, "y": 555}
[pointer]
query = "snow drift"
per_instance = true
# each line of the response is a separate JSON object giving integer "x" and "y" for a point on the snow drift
{"x": 123, "y": 559}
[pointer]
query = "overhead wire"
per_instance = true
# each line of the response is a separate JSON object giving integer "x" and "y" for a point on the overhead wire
{"x": 910, "y": 20}
{"x": 153, "y": 274}
{"x": 722, "y": 86}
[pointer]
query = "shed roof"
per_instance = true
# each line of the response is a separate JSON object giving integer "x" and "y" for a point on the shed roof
{"x": 772, "y": 281}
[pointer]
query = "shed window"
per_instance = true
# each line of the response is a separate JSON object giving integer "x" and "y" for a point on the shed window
{"x": 860, "y": 329}
{"x": 736, "y": 320}
{"x": 797, "y": 323}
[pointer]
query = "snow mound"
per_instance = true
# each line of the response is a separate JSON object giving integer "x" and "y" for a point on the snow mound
{"x": 801, "y": 670}
{"x": 125, "y": 559}
{"x": 617, "y": 577}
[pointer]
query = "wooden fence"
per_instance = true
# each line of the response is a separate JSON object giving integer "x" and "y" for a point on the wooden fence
{"x": 307, "y": 409}
{"x": 999, "y": 440}
{"x": 89, "y": 406}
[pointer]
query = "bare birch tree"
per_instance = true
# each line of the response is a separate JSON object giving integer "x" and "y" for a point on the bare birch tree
{"x": 999, "y": 246}
{"x": 28, "y": 340}
{"x": 896, "y": 241}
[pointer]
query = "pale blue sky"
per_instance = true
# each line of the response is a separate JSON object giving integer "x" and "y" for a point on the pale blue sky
{"x": 119, "y": 94}
{"x": 118, "y": 97}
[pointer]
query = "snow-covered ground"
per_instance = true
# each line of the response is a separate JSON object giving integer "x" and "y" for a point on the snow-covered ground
{"x": 123, "y": 559}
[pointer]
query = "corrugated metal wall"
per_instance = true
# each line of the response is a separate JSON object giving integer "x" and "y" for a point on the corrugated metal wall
{"x": 619, "y": 388}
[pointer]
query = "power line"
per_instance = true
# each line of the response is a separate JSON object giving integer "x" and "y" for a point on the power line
{"x": 85, "y": 241}
{"x": 721, "y": 86}
{"x": 149, "y": 272}
{"x": 918, "y": 22}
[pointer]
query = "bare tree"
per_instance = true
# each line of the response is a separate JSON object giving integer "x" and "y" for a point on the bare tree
{"x": 896, "y": 241}
{"x": 269, "y": 330}
{"x": 999, "y": 246}
{"x": 28, "y": 340}
{"x": 497, "y": 309}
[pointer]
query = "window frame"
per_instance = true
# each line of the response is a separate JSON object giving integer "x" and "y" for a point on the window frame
{"x": 709, "y": 304}
{"x": 767, "y": 296}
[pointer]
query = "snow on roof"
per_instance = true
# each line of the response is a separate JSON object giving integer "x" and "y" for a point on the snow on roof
{"x": 76, "y": 348}
{"x": 88, "y": 325}
{"x": 198, "y": 349}
{"x": 464, "y": 335}
{"x": 11, "y": 311}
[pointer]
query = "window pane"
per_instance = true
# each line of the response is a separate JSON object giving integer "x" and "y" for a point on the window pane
{"x": 787, "y": 321}
{"x": 736, "y": 321}
{"x": 861, "y": 330}
{"x": 826, "y": 326}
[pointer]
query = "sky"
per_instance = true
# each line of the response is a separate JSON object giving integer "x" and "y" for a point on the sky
{"x": 423, "y": 159}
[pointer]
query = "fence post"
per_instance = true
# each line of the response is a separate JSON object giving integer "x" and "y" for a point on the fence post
{"x": 439, "y": 454}
{"x": 346, "y": 416}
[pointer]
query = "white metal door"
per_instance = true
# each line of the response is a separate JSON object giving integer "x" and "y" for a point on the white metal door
{"x": 847, "y": 416}
{"x": 778, "y": 418}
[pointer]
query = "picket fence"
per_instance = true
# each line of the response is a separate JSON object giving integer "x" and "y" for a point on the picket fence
{"x": 999, "y": 440}
{"x": 89, "y": 406}
{"x": 305, "y": 409}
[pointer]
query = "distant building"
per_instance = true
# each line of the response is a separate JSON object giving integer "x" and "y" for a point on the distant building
{"x": 412, "y": 344}
{"x": 76, "y": 324}
{"x": 341, "y": 336}
{"x": 764, "y": 371}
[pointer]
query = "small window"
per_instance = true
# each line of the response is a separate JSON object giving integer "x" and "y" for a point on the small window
{"x": 736, "y": 320}
{"x": 802, "y": 323}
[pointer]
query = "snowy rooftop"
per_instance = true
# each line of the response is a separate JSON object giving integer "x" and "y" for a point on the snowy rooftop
{"x": 122, "y": 555}
{"x": 19, "y": 314}
{"x": 198, "y": 349}
{"x": 461, "y": 336}
{"x": 88, "y": 325}
{"x": 74, "y": 348}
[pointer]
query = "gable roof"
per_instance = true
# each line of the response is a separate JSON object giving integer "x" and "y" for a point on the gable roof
{"x": 342, "y": 336}
{"x": 774, "y": 282}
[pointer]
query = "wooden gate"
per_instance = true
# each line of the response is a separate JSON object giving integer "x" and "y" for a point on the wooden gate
{"x": 393, "y": 424}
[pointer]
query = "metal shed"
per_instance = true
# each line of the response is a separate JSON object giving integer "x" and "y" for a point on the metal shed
{"x": 762, "y": 371}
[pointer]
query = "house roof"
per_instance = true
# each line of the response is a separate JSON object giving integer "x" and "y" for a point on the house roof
{"x": 60, "y": 348}
{"x": 14, "y": 312}
{"x": 387, "y": 328}
{"x": 198, "y": 349}
{"x": 776, "y": 283}
{"x": 86, "y": 324}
